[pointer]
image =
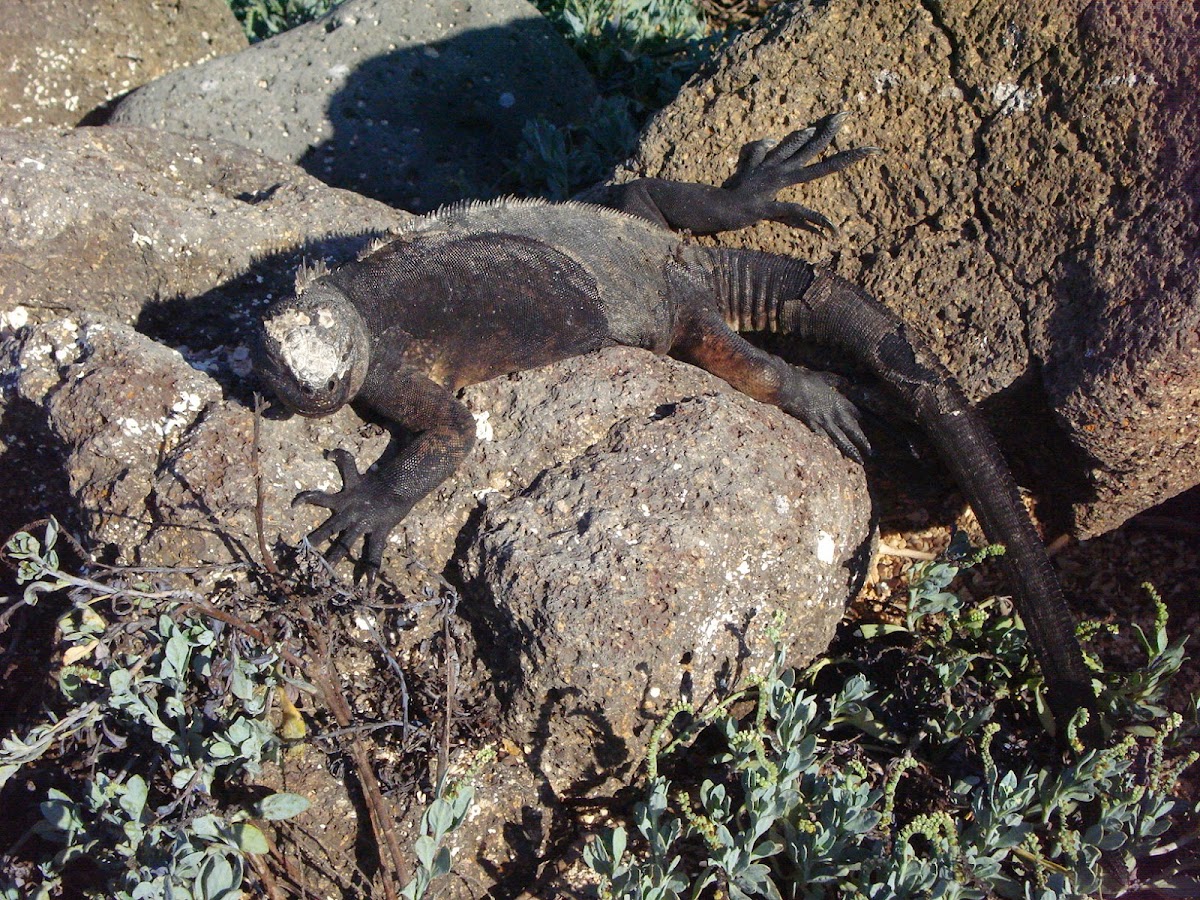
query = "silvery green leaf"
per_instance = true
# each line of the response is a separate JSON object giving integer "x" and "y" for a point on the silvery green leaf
{"x": 281, "y": 806}
{"x": 133, "y": 800}
{"x": 250, "y": 839}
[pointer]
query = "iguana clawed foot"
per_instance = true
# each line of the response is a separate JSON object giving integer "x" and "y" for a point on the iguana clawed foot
{"x": 768, "y": 166}
{"x": 364, "y": 508}
{"x": 816, "y": 400}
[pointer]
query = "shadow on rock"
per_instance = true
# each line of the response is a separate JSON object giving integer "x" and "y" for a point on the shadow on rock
{"x": 228, "y": 314}
{"x": 422, "y": 127}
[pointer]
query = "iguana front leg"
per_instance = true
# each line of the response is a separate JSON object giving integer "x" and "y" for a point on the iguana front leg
{"x": 440, "y": 432}
{"x": 765, "y": 168}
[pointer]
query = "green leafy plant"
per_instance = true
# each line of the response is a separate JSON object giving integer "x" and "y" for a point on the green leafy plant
{"x": 262, "y": 19}
{"x": 640, "y": 52}
{"x": 444, "y": 815}
{"x": 857, "y": 792}
{"x": 168, "y": 707}
{"x": 163, "y": 715}
{"x": 555, "y": 161}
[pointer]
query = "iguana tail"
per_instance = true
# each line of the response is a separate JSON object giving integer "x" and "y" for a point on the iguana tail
{"x": 776, "y": 293}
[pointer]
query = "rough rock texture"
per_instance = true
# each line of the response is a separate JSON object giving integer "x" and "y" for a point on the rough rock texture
{"x": 1035, "y": 210}
{"x": 187, "y": 238}
{"x": 409, "y": 102}
{"x": 64, "y": 59}
{"x": 158, "y": 465}
{"x": 622, "y": 580}
{"x": 126, "y": 221}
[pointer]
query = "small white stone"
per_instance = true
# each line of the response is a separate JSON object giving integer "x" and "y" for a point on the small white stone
{"x": 483, "y": 427}
{"x": 825, "y": 547}
{"x": 17, "y": 317}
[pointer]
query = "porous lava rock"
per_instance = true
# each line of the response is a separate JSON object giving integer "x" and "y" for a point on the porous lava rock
{"x": 64, "y": 58}
{"x": 661, "y": 564}
{"x": 162, "y": 230}
{"x": 1034, "y": 210}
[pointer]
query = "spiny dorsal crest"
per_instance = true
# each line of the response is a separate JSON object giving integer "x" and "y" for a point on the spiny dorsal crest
{"x": 464, "y": 208}
{"x": 377, "y": 244}
{"x": 459, "y": 213}
{"x": 309, "y": 272}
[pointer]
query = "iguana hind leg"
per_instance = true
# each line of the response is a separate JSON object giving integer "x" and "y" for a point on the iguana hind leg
{"x": 760, "y": 291}
{"x": 703, "y": 339}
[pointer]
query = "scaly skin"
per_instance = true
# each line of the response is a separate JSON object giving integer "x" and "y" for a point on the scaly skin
{"x": 476, "y": 291}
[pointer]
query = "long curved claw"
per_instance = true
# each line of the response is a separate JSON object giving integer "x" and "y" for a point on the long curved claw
{"x": 841, "y": 422}
{"x": 346, "y": 466}
{"x": 324, "y": 499}
{"x": 373, "y": 552}
{"x": 803, "y": 144}
{"x": 347, "y": 469}
{"x": 339, "y": 524}
{"x": 750, "y": 159}
{"x": 840, "y": 160}
{"x": 339, "y": 548}
{"x": 755, "y": 153}
{"x": 846, "y": 432}
{"x": 797, "y": 216}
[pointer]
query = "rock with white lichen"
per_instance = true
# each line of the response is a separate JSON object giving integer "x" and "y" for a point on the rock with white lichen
{"x": 658, "y": 559}
{"x": 63, "y": 58}
{"x": 148, "y": 227}
{"x": 158, "y": 466}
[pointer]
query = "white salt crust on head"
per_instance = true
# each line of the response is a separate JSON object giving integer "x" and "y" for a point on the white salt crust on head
{"x": 306, "y": 349}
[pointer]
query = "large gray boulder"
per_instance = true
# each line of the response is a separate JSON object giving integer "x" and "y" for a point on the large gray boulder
{"x": 1035, "y": 210}
{"x": 412, "y": 103}
{"x": 622, "y": 578}
{"x": 64, "y": 58}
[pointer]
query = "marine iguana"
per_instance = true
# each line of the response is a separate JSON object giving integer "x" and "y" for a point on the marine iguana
{"x": 479, "y": 290}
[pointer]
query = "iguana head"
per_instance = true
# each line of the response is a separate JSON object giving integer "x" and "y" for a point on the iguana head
{"x": 314, "y": 350}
